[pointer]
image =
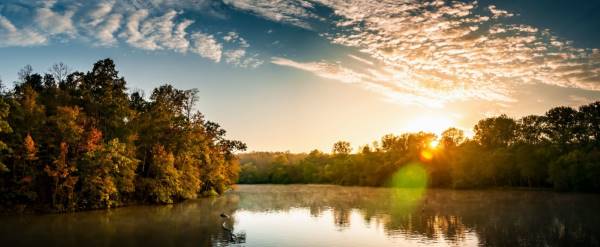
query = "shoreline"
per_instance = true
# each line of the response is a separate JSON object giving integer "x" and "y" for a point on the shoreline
{"x": 29, "y": 210}
{"x": 40, "y": 210}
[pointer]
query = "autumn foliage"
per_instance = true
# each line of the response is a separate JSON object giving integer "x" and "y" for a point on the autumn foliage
{"x": 84, "y": 141}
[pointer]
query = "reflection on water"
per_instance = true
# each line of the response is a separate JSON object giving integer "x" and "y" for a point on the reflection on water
{"x": 321, "y": 215}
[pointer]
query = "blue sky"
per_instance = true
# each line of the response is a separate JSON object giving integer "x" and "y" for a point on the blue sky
{"x": 299, "y": 75}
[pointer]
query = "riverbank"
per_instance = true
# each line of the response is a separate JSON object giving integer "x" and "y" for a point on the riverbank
{"x": 23, "y": 209}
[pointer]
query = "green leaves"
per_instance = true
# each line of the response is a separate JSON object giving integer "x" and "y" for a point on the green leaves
{"x": 559, "y": 149}
{"x": 86, "y": 143}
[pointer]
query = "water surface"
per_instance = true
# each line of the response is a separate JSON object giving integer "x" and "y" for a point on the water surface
{"x": 323, "y": 215}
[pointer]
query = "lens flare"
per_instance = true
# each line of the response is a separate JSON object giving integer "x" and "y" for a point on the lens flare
{"x": 409, "y": 185}
{"x": 412, "y": 175}
{"x": 426, "y": 155}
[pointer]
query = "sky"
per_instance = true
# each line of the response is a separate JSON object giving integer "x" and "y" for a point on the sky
{"x": 297, "y": 75}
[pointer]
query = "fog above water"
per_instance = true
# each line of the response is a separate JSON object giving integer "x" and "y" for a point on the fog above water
{"x": 323, "y": 215}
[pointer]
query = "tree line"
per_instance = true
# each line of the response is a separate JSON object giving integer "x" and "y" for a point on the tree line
{"x": 560, "y": 150}
{"x": 74, "y": 140}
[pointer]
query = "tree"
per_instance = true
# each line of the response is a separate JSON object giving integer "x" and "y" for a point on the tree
{"x": 556, "y": 150}
{"x": 452, "y": 137}
{"x": 25, "y": 72}
{"x": 69, "y": 123}
{"x": 59, "y": 71}
{"x": 107, "y": 173}
{"x": 61, "y": 172}
{"x": 191, "y": 99}
{"x": 80, "y": 140}
{"x": 530, "y": 129}
{"x": 163, "y": 183}
{"x": 342, "y": 148}
{"x": 561, "y": 126}
{"x": 189, "y": 171}
{"x": 4, "y": 129}
{"x": 590, "y": 122}
{"x": 496, "y": 131}
{"x": 105, "y": 98}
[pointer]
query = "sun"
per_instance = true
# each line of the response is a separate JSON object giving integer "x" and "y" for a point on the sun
{"x": 427, "y": 123}
{"x": 434, "y": 144}
{"x": 428, "y": 153}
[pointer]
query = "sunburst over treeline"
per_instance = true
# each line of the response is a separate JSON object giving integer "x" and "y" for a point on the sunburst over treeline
{"x": 560, "y": 150}
{"x": 72, "y": 141}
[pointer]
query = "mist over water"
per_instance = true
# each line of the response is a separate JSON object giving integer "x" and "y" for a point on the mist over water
{"x": 324, "y": 215}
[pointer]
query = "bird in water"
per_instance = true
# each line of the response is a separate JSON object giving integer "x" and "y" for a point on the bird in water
{"x": 235, "y": 238}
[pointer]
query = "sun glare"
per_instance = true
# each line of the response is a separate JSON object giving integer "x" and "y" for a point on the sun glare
{"x": 434, "y": 144}
{"x": 433, "y": 124}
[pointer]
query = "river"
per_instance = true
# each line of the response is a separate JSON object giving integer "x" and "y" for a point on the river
{"x": 325, "y": 215}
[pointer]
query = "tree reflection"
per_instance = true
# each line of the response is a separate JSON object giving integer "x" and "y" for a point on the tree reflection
{"x": 191, "y": 223}
{"x": 492, "y": 218}
{"x": 498, "y": 218}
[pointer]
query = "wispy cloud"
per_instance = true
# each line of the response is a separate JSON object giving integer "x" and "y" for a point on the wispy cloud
{"x": 105, "y": 31}
{"x": 54, "y": 22}
{"x": 360, "y": 59}
{"x": 371, "y": 82}
{"x": 157, "y": 33}
{"x": 297, "y": 13}
{"x": 453, "y": 51}
{"x": 425, "y": 52}
{"x": 100, "y": 23}
{"x": 238, "y": 56}
{"x": 146, "y": 25}
{"x": 10, "y": 35}
{"x": 206, "y": 46}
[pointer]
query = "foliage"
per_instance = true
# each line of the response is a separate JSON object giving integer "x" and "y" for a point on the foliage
{"x": 4, "y": 129}
{"x": 71, "y": 141}
{"x": 342, "y": 148}
{"x": 560, "y": 149}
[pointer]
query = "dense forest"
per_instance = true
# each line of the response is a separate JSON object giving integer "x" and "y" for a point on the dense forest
{"x": 559, "y": 150}
{"x": 73, "y": 141}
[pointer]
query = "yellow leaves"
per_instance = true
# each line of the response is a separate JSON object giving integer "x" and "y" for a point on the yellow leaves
{"x": 30, "y": 148}
{"x": 28, "y": 101}
{"x": 4, "y": 128}
{"x": 61, "y": 173}
{"x": 107, "y": 171}
{"x": 61, "y": 168}
{"x": 162, "y": 160}
{"x": 164, "y": 182}
{"x": 4, "y": 110}
{"x": 189, "y": 175}
{"x": 83, "y": 151}
{"x": 69, "y": 121}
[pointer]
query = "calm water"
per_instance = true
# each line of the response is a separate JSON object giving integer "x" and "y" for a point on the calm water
{"x": 320, "y": 215}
